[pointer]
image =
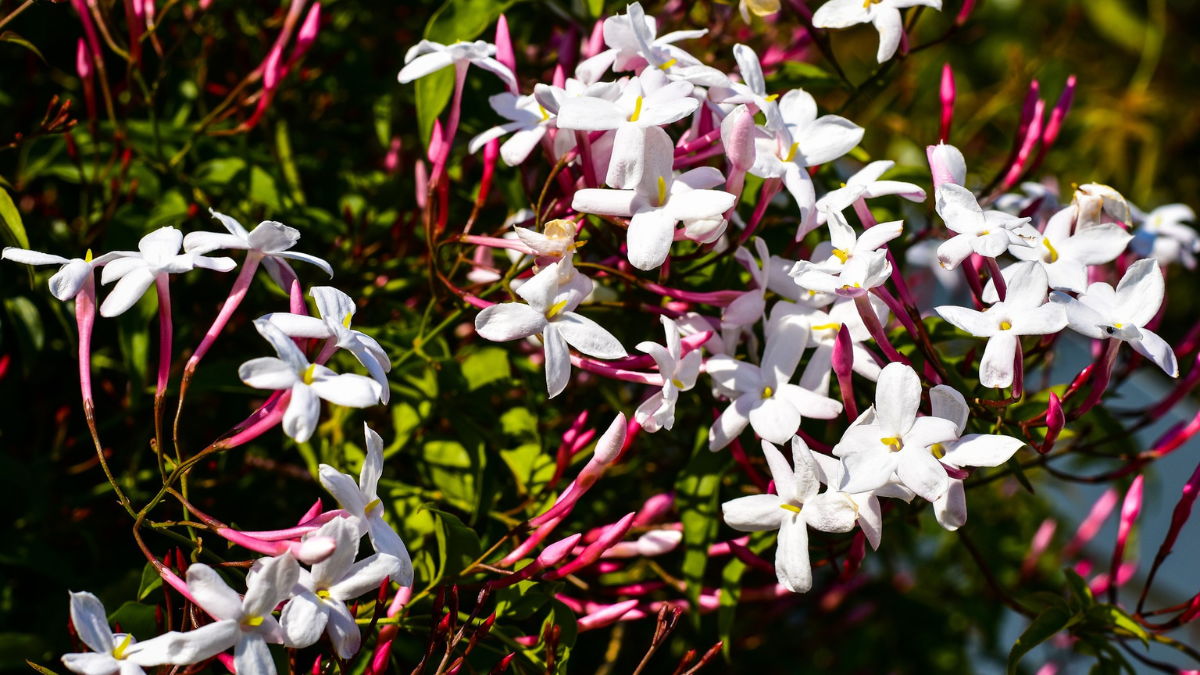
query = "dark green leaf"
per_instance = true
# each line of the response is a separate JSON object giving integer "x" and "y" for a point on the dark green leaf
{"x": 14, "y": 229}
{"x": 1044, "y": 627}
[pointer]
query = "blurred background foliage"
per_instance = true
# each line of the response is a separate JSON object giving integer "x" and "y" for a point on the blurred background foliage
{"x": 471, "y": 436}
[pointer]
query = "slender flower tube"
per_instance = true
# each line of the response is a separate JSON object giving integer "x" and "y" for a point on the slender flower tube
{"x": 946, "y": 94}
{"x": 612, "y": 534}
{"x": 1055, "y": 421}
{"x": 1131, "y": 507}
{"x": 843, "y": 368}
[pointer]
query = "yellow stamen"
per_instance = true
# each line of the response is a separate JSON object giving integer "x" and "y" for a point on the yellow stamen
{"x": 675, "y": 381}
{"x": 841, "y": 255}
{"x": 118, "y": 652}
{"x": 772, "y": 97}
{"x": 892, "y": 442}
{"x": 938, "y": 450}
{"x": 843, "y": 184}
{"x": 768, "y": 392}
{"x": 637, "y": 110}
{"x": 87, "y": 257}
{"x": 555, "y": 309}
{"x": 662, "y": 191}
{"x": 1051, "y": 249}
{"x": 1005, "y": 325}
{"x": 828, "y": 326}
{"x": 791, "y": 153}
{"x": 1118, "y": 326}
{"x": 309, "y": 372}
{"x": 542, "y": 110}
{"x": 812, "y": 293}
{"x": 560, "y": 229}
{"x": 790, "y": 507}
{"x": 346, "y": 320}
{"x": 667, "y": 64}
{"x": 252, "y": 621}
{"x": 323, "y": 594}
{"x": 371, "y": 506}
{"x": 867, "y": 3}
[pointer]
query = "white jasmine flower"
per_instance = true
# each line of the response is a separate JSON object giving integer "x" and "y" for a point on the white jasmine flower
{"x": 801, "y": 141}
{"x": 318, "y": 602}
{"x": 678, "y": 372}
{"x": 659, "y": 202}
{"x": 366, "y": 508}
{"x": 883, "y": 14}
{"x": 626, "y": 50}
{"x": 336, "y": 309}
{"x": 868, "y": 513}
{"x": 865, "y": 184}
{"x": 112, "y": 653}
{"x": 309, "y": 383}
{"x": 1122, "y": 313}
{"x": 157, "y": 254}
{"x": 528, "y": 121}
{"x": 764, "y": 397}
{"x": 550, "y": 311}
{"x": 988, "y": 233}
{"x": 888, "y": 442}
{"x": 1024, "y": 311}
{"x": 247, "y": 622}
{"x": 796, "y": 507}
{"x": 70, "y": 278}
{"x": 1066, "y": 256}
{"x": 269, "y": 240}
{"x": 823, "y": 331}
{"x": 866, "y": 270}
{"x": 1165, "y": 235}
{"x": 428, "y": 57}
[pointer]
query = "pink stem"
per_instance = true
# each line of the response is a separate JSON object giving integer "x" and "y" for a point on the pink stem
{"x": 460, "y": 78}
{"x": 766, "y": 193}
{"x": 497, "y": 242}
{"x": 165, "y": 328}
{"x": 85, "y": 319}
{"x": 946, "y": 94}
{"x": 236, "y": 294}
{"x": 1130, "y": 508}
{"x": 263, "y": 420}
{"x": 867, "y": 312}
{"x": 997, "y": 278}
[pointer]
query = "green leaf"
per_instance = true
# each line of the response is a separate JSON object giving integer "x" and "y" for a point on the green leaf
{"x": 9, "y": 36}
{"x": 1118, "y": 23}
{"x": 14, "y": 229}
{"x": 486, "y": 366}
{"x": 595, "y": 8}
{"x": 697, "y": 492}
{"x": 1115, "y": 617}
{"x": 450, "y": 467}
{"x": 135, "y": 618}
{"x": 24, "y": 315}
{"x": 1044, "y": 627}
{"x": 1079, "y": 589}
{"x": 151, "y": 580}
{"x": 40, "y": 668}
{"x": 287, "y": 163}
{"x": 458, "y": 545}
{"x": 263, "y": 189}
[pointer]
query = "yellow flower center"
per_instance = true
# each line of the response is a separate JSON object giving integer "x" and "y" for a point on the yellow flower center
{"x": 790, "y": 507}
{"x": 346, "y": 319}
{"x": 768, "y": 392}
{"x": 985, "y": 232}
{"x": 1050, "y": 247}
{"x": 841, "y": 255}
{"x": 675, "y": 381}
{"x": 1005, "y": 325}
{"x": 372, "y": 506}
{"x": 637, "y": 110}
{"x": 662, "y": 191}
{"x": 867, "y": 3}
{"x": 118, "y": 652}
{"x": 892, "y": 442}
{"x": 87, "y": 257}
{"x": 938, "y": 450}
{"x": 555, "y": 309}
{"x": 1118, "y": 326}
{"x": 323, "y": 594}
{"x": 560, "y": 229}
{"x": 252, "y": 621}
{"x": 772, "y": 97}
{"x": 309, "y": 372}
{"x": 545, "y": 115}
{"x": 667, "y": 64}
{"x": 791, "y": 153}
{"x": 827, "y": 326}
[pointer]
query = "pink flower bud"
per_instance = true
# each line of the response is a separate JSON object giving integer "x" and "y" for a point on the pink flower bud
{"x": 313, "y": 550}
{"x": 308, "y": 31}
{"x": 947, "y": 98}
{"x": 608, "y": 615}
{"x": 946, "y": 164}
{"x": 83, "y": 62}
{"x": 1092, "y": 523}
{"x": 965, "y": 13}
{"x": 504, "y": 47}
{"x": 737, "y": 135}
{"x": 609, "y": 445}
{"x": 595, "y": 42}
{"x": 654, "y": 508}
{"x": 556, "y": 552}
{"x": 1055, "y": 421}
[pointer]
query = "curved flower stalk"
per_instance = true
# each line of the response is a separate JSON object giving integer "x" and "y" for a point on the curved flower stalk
{"x": 552, "y": 295}
{"x": 1122, "y": 313}
{"x": 1024, "y": 311}
{"x": 884, "y": 15}
{"x": 268, "y": 243}
{"x": 246, "y": 623}
{"x": 795, "y": 507}
{"x": 763, "y": 396}
{"x": 318, "y": 602}
{"x": 802, "y": 140}
{"x": 112, "y": 653}
{"x": 307, "y": 383}
{"x": 661, "y": 200}
{"x": 366, "y": 510}
{"x": 890, "y": 443}
{"x": 679, "y": 372}
{"x": 336, "y": 310}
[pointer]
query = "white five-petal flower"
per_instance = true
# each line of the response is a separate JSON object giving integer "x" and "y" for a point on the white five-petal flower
{"x": 678, "y": 372}
{"x": 428, "y": 57}
{"x": 988, "y": 233}
{"x": 269, "y": 239}
{"x": 309, "y": 383}
{"x": 883, "y": 14}
{"x": 135, "y": 271}
{"x": 70, "y": 278}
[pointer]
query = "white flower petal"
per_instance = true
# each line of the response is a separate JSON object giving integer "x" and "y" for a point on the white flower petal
{"x": 792, "y": 567}
{"x": 588, "y": 336}
{"x": 267, "y": 372}
{"x": 983, "y": 450}
{"x": 922, "y": 473}
{"x": 91, "y": 622}
{"x": 303, "y": 411}
{"x": 212, "y": 593}
{"x": 127, "y": 292}
{"x": 755, "y": 513}
{"x": 303, "y": 620}
{"x": 354, "y": 391}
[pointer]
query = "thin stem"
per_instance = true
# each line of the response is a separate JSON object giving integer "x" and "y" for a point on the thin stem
{"x": 15, "y": 13}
